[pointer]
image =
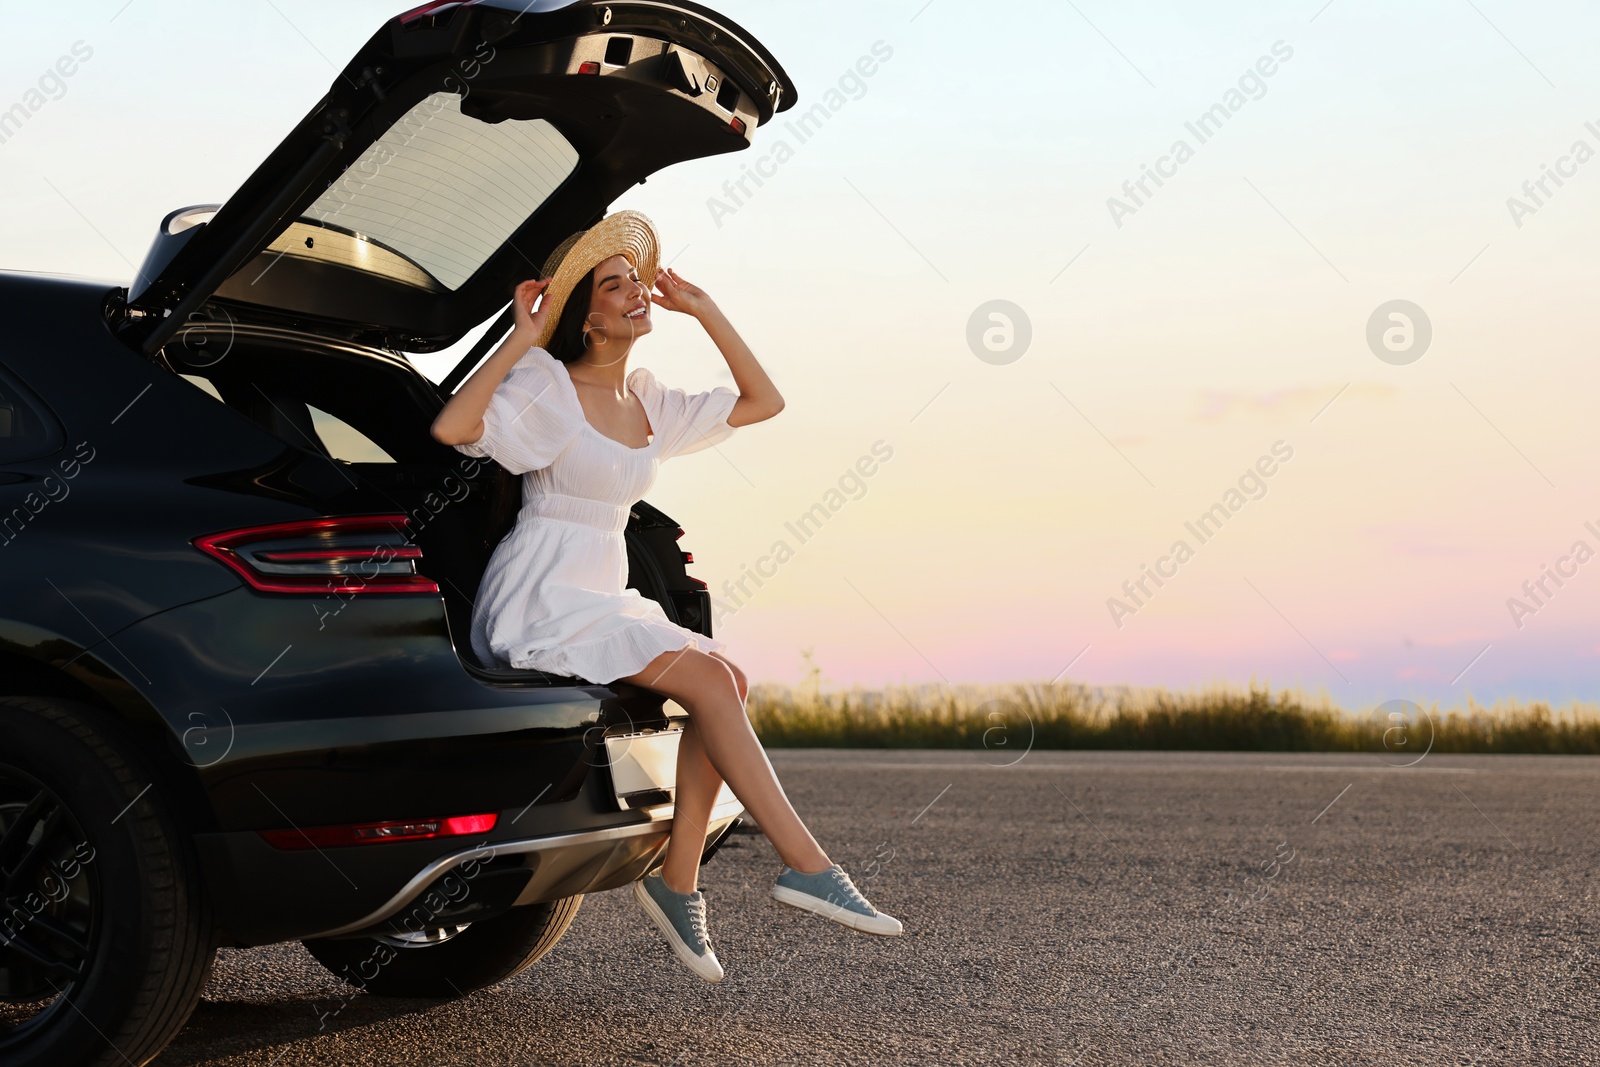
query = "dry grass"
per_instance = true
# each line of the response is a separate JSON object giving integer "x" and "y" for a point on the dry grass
{"x": 1012, "y": 717}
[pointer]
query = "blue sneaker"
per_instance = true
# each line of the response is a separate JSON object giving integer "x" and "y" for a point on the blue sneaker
{"x": 682, "y": 917}
{"x": 832, "y": 894}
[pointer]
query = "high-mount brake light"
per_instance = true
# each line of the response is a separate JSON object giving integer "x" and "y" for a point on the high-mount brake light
{"x": 433, "y": 9}
{"x": 345, "y": 554}
{"x": 373, "y": 833}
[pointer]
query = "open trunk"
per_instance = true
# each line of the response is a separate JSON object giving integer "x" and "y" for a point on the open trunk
{"x": 361, "y": 417}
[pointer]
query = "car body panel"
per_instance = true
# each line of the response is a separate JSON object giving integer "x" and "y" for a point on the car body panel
{"x": 69, "y": 564}
{"x": 291, "y": 719}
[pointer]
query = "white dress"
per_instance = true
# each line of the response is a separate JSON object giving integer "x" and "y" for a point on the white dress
{"x": 553, "y": 597}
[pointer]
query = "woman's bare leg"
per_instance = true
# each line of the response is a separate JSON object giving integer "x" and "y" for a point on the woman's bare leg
{"x": 696, "y": 794}
{"x": 698, "y": 785}
{"x": 706, "y": 687}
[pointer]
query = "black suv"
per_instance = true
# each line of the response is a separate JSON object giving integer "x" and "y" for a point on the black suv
{"x": 238, "y": 702}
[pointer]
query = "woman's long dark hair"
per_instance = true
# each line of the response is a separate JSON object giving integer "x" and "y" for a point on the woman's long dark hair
{"x": 567, "y": 345}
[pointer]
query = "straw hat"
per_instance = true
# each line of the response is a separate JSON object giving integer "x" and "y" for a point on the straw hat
{"x": 622, "y": 233}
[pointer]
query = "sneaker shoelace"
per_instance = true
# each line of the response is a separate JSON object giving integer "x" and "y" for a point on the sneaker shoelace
{"x": 850, "y": 892}
{"x": 696, "y": 908}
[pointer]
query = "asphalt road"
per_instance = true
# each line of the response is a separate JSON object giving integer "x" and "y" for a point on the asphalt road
{"x": 1074, "y": 908}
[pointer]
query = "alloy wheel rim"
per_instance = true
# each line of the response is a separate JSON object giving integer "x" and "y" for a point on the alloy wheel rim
{"x": 50, "y": 902}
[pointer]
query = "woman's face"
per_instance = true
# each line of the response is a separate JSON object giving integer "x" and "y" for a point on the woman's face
{"x": 619, "y": 304}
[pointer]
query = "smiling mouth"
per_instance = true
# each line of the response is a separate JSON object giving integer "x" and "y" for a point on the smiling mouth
{"x": 638, "y": 312}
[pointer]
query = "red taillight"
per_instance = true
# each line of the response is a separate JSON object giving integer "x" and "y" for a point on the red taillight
{"x": 738, "y": 125}
{"x": 349, "y": 554}
{"x": 375, "y": 832}
{"x": 433, "y": 9}
{"x": 591, "y": 67}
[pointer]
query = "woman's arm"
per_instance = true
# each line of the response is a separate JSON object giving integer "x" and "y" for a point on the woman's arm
{"x": 460, "y": 421}
{"x": 759, "y": 399}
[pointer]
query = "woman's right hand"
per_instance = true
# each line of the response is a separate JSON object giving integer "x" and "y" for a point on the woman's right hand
{"x": 460, "y": 421}
{"x": 528, "y": 321}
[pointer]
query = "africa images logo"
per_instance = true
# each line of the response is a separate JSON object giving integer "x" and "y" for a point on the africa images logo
{"x": 1251, "y": 485}
{"x": 1252, "y": 85}
{"x": 809, "y": 123}
{"x": 52, "y": 85}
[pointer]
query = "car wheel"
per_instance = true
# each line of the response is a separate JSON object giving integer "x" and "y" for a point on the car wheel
{"x": 448, "y": 960}
{"x": 105, "y": 938}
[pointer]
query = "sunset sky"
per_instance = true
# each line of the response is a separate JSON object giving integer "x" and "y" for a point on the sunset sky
{"x": 1180, "y": 332}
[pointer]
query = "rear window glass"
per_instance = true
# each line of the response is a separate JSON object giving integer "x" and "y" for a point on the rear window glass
{"x": 438, "y": 194}
{"x": 280, "y": 414}
{"x": 344, "y": 441}
{"x": 27, "y": 430}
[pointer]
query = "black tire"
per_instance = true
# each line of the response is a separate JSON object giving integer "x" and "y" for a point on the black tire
{"x": 449, "y": 962}
{"x": 110, "y": 938}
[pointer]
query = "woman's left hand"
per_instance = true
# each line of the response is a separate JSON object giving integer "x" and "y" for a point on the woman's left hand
{"x": 678, "y": 295}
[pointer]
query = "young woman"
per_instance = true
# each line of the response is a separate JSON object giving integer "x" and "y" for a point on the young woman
{"x": 557, "y": 404}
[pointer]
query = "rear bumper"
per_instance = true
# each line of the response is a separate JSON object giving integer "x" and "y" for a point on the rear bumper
{"x": 264, "y": 895}
{"x": 562, "y": 865}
